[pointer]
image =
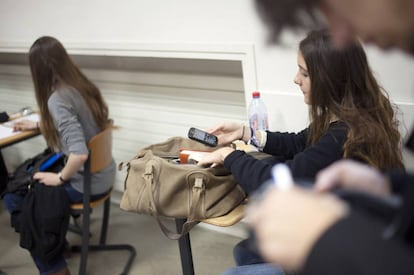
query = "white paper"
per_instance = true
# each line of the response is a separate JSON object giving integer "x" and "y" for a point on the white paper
{"x": 32, "y": 117}
{"x": 6, "y": 132}
{"x": 6, "y": 129}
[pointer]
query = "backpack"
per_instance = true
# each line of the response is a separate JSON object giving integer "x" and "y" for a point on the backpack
{"x": 20, "y": 180}
{"x": 43, "y": 216}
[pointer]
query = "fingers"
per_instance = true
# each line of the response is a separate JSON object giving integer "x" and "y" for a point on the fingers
{"x": 215, "y": 129}
{"x": 47, "y": 178}
{"x": 208, "y": 163}
{"x": 24, "y": 125}
{"x": 333, "y": 176}
{"x": 206, "y": 160}
{"x": 225, "y": 127}
{"x": 226, "y": 132}
{"x": 203, "y": 163}
{"x": 18, "y": 126}
{"x": 326, "y": 180}
{"x": 353, "y": 175}
{"x": 38, "y": 176}
{"x": 217, "y": 157}
{"x": 219, "y": 128}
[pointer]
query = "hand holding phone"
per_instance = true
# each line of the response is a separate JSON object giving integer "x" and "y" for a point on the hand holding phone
{"x": 203, "y": 137}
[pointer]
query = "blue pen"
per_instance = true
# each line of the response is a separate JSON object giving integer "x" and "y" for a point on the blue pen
{"x": 282, "y": 177}
{"x": 50, "y": 161}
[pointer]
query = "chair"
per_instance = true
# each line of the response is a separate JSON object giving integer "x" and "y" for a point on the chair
{"x": 100, "y": 156}
{"x": 184, "y": 244}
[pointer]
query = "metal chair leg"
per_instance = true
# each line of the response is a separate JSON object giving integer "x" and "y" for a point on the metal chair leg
{"x": 85, "y": 247}
{"x": 185, "y": 249}
{"x": 105, "y": 220}
{"x": 85, "y": 242}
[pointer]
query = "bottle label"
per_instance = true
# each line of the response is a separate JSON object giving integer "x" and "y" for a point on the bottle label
{"x": 254, "y": 122}
{"x": 258, "y": 124}
{"x": 265, "y": 123}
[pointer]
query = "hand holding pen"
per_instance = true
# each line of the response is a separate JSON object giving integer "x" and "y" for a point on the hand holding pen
{"x": 287, "y": 220}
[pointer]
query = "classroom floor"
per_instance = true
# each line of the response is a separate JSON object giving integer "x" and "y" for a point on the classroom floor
{"x": 212, "y": 250}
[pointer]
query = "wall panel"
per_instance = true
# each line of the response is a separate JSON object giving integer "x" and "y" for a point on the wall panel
{"x": 147, "y": 106}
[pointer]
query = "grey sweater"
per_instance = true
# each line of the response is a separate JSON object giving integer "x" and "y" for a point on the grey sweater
{"x": 76, "y": 126}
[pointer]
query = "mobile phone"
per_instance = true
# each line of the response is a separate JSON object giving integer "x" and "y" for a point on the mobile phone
{"x": 203, "y": 137}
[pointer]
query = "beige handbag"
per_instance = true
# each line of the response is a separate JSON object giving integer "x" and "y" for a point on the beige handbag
{"x": 157, "y": 185}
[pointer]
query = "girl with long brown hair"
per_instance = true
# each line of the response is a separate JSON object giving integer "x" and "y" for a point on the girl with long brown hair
{"x": 72, "y": 111}
{"x": 350, "y": 117}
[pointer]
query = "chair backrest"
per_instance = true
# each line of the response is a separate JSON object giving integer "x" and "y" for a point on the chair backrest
{"x": 100, "y": 147}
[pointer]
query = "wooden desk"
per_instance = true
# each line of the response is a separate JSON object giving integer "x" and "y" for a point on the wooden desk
{"x": 8, "y": 138}
{"x": 8, "y": 141}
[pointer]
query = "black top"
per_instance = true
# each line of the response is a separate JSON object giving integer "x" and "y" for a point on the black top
{"x": 357, "y": 244}
{"x": 304, "y": 161}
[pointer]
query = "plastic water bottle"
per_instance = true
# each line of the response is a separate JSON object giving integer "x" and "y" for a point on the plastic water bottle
{"x": 257, "y": 115}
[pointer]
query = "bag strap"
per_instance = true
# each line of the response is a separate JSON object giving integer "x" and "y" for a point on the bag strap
{"x": 196, "y": 199}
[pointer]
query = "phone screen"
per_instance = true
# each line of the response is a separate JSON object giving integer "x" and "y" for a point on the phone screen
{"x": 202, "y": 137}
{"x": 210, "y": 139}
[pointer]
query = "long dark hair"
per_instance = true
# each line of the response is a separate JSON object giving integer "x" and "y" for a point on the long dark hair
{"x": 51, "y": 65}
{"x": 343, "y": 86}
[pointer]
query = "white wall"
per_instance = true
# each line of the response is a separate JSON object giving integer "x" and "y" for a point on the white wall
{"x": 181, "y": 22}
{"x": 147, "y": 106}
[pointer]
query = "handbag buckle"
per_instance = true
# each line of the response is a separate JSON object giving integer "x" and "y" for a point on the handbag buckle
{"x": 198, "y": 183}
{"x": 148, "y": 172}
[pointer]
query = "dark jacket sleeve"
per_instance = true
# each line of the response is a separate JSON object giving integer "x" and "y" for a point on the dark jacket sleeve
{"x": 285, "y": 144}
{"x": 354, "y": 245}
{"x": 399, "y": 179}
{"x": 304, "y": 161}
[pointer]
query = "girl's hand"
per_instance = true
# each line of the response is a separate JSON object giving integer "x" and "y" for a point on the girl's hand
{"x": 353, "y": 175}
{"x": 279, "y": 218}
{"x": 215, "y": 158}
{"x": 25, "y": 125}
{"x": 47, "y": 178}
{"x": 228, "y": 132}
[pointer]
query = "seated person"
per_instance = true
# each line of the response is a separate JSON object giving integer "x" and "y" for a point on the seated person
{"x": 350, "y": 117}
{"x": 72, "y": 111}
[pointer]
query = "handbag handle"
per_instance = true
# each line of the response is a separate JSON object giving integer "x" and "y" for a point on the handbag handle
{"x": 197, "y": 190}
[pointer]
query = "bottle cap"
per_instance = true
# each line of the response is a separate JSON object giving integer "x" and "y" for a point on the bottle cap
{"x": 256, "y": 94}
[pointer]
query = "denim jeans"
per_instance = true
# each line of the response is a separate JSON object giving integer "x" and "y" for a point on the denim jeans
{"x": 12, "y": 200}
{"x": 254, "y": 269}
{"x": 246, "y": 253}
